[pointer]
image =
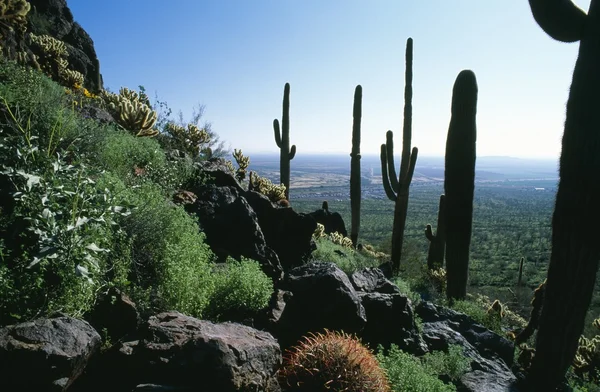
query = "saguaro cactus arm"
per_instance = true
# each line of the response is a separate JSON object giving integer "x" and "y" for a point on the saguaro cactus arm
{"x": 560, "y": 19}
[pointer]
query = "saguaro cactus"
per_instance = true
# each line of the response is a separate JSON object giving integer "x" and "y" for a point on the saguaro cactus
{"x": 397, "y": 189}
{"x": 459, "y": 182}
{"x": 437, "y": 242}
{"x": 282, "y": 138}
{"x": 575, "y": 232}
{"x": 355, "y": 193}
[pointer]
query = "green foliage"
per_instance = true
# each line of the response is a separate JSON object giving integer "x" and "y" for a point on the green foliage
{"x": 241, "y": 288}
{"x": 347, "y": 259}
{"x": 479, "y": 314}
{"x": 59, "y": 226}
{"x": 170, "y": 261}
{"x": 407, "y": 374}
{"x": 137, "y": 160}
{"x": 453, "y": 364}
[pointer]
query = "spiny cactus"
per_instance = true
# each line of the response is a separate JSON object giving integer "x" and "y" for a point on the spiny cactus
{"x": 131, "y": 112}
{"x": 575, "y": 246}
{"x": 437, "y": 242}
{"x": 275, "y": 193}
{"x": 282, "y": 138}
{"x": 243, "y": 162}
{"x": 397, "y": 189}
{"x": 13, "y": 27}
{"x": 459, "y": 182}
{"x": 355, "y": 191}
{"x": 332, "y": 361}
{"x": 187, "y": 139}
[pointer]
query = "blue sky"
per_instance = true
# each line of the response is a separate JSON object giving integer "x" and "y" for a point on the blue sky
{"x": 234, "y": 57}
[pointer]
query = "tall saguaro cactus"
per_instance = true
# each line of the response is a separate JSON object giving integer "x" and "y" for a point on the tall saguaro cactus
{"x": 437, "y": 242}
{"x": 459, "y": 182}
{"x": 396, "y": 188}
{"x": 355, "y": 193}
{"x": 575, "y": 229}
{"x": 282, "y": 138}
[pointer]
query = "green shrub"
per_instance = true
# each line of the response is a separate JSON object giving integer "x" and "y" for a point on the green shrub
{"x": 57, "y": 226}
{"x": 491, "y": 321}
{"x": 452, "y": 364}
{"x": 407, "y": 374}
{"x": 347, "y": 259}
{"x": 241, "y": 288}
{"x": 171, "y": 264}
{"x": 139, "y": 159}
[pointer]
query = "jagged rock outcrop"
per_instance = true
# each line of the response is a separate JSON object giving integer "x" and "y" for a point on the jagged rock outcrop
{"x": 54, "y": 18}
{"x": 332, "y": 221}
{"x": 491, "y": 355}
{"x": 246, "y": 223}
{"x": 321, "y": 297}
{"x": 390, "y": 317}
{"x": 175, "y": 352}
{"x": 46, "y": 354}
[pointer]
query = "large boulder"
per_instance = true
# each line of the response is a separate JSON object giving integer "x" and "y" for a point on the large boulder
{"x": 46, "y": 354}
{"x": 277, "y": 237}
{"x": 178, "y": 353}
{"x": 321, "y": 297}
{"x": 332, "y": 221}
{"x": 54, "y": 18}
{"x": 390, "y": 317}
{"x": 491, "y": 355}
{"x": 232, "y": 228}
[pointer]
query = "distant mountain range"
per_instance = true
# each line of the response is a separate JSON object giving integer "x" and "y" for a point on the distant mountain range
{"x": 492, "y": 168}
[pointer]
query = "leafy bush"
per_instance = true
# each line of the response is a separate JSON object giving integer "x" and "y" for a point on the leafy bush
{"x": 59, "y": 226}
{"x": 452, "y": 364}
{"x": 241, "y": 288}
{"x": 348, "y": 260}
{"x": 136, "y": 159}
{"x": 407, "y": 374}
{"x": 479, "y": 314}
{"x": 171, "y": 264}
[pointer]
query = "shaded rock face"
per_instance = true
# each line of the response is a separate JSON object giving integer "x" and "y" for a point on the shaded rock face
{"x": 491, "y": 355}
{"x": 390, "y": 317}
{"x": 178, "y": 353}
{"x": 332, "y": 221}
{"x": 45, "y": 354}
{"x": 54, "y": 18}
{"x": 116, "y": 314}
{"x": 245, "y": 223}
{"x": 321, "y": 296}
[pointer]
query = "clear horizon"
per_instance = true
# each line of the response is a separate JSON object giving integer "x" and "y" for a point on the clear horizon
{"x": 234, "y": 57}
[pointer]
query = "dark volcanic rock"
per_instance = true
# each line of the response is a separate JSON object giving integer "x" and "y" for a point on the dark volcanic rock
{"x": 332, "y": 221}
{"x": 321, "y": 297}
{"x": 45, "y": 354}
{"x": 54, "y": 18}
{"x": 491, "y": 355}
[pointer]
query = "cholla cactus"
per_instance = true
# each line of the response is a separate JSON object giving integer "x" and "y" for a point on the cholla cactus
{"x": 587, "y": 357}
{"x": 130, "y": 111}
{"x": 13, "y": 15}
{"x": 71, "y": 77}
{"x": 52, "y": 60}
{"x": 275, "y": 193}
{"x": 339, "y": 239}
{"x": 188, "y": 139}
{"x": 438, "y": 278}
{"x": 243, "y": 163}
{"x": 319, "y": 232}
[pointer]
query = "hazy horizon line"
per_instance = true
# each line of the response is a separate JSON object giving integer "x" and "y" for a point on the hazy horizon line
{"x": 369, "y": 154}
